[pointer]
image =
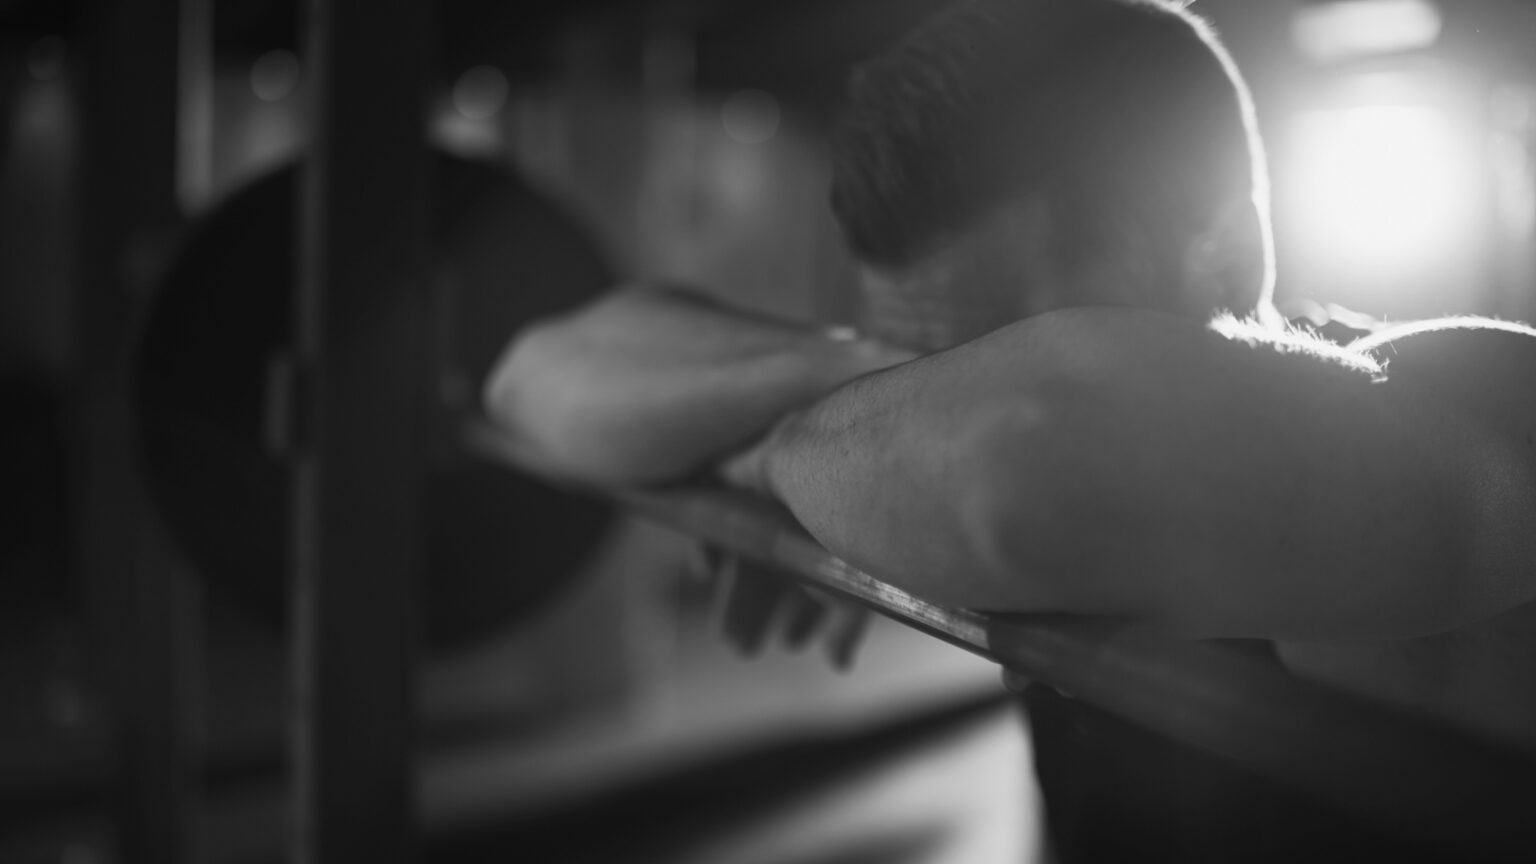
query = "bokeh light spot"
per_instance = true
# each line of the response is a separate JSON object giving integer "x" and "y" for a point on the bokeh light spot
{"x": 1382, "y": 187}
{"x": 480, "y": 92}
{"x": 274, "y": 75}
{"x": 750, "y": 116}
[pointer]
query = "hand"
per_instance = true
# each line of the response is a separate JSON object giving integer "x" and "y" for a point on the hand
{"x": 759, "y": 600}
{"x": 756, "y": 594}
{"x": 748, "y": 469}
{"x": 1014, "y": 681}
{"x": 1018, "y": 682}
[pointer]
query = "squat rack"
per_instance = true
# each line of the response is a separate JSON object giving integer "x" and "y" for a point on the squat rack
{"x": 356, "y": 432}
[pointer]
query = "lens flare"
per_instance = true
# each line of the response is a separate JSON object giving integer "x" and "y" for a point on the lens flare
{"x": 1383, "y": 187}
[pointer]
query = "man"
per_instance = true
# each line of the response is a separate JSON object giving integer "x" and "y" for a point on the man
{"x": 1050, "y": 198}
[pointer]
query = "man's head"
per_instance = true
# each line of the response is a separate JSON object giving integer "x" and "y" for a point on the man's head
{"x": 1014, "y": 156}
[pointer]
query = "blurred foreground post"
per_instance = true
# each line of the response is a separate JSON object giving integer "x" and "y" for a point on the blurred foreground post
{"x": 358, "y": 396}
{"x": 143, "y": 617}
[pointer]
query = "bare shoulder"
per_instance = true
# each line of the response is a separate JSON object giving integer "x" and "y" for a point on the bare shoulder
{"x": 1482, "y": 373}
{"x": 1482, "y": 365}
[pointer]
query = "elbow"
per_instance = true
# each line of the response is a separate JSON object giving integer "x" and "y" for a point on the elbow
{"x": 506, "y": 392}
{"x": 527, "y": 397}
{"x": 562, "y": 416}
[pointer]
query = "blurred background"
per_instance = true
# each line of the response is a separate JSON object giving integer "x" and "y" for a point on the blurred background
{"x": 679, "y": 140}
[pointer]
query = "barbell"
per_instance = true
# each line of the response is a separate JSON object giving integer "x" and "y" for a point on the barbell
{"x": 1467, "y": 798}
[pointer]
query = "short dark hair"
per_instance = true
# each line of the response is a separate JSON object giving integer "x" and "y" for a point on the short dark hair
{"x": 1126, "y": 115}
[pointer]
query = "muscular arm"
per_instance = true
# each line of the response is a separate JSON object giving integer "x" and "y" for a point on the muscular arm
{"x": 652, "y": 384}
{"x": 1114, "y": 461}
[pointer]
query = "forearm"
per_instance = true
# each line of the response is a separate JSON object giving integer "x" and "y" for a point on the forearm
{"x": 651, "y": 385}
{"x": 1116, "y": 462}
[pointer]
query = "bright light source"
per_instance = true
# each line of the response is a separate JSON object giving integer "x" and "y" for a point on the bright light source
{"x": 1381, "y": 189}
{"x": 480, "y": 92}
{"x": 274, "y": 75}
{"x": 1334, "y": 31}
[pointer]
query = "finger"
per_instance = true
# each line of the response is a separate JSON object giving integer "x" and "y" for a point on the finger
{"x": 803, "y": 616}
{"x": 745, "y": 470}
{"x": 715, "y": 568}
{"x": 825, "y": 598}
{"x": 845, "y": 641}
{"x": 750, "y": 606}
{"x": 701, "y": 563}
{"x": 696, "y": 588}
{"x": 1014, "y": 681}
{"x": 701, "y": 583}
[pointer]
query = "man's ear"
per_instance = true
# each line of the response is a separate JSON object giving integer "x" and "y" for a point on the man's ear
{"x": 1227, "y": 265}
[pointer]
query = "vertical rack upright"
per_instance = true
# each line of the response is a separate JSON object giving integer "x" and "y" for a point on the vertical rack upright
{"x": 360, "y": 385}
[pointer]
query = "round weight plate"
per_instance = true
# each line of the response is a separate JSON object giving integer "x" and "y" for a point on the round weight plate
{"x": 497, "y": 545}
